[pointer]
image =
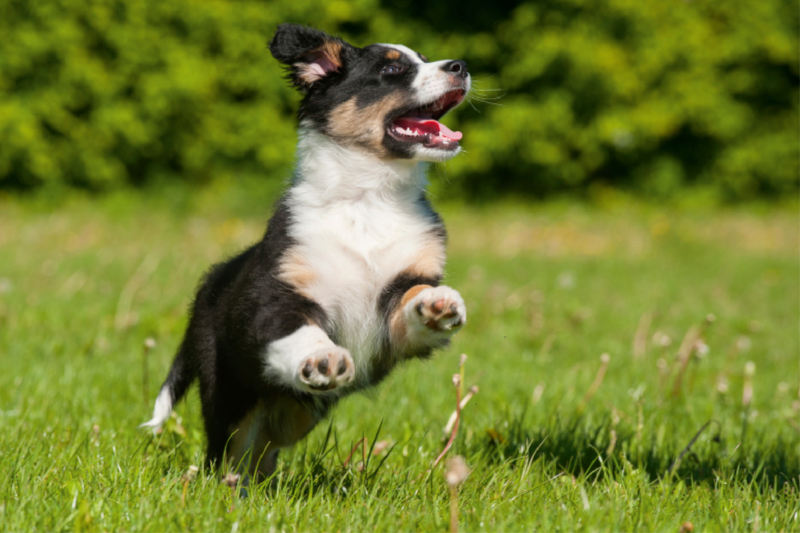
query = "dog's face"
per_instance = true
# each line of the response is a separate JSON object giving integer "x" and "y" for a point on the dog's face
{"x": 385, "y": 99}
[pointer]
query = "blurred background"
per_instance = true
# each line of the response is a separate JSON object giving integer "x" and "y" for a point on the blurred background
{"x": 666, "y": 99}
{"x": 628, "y": 187}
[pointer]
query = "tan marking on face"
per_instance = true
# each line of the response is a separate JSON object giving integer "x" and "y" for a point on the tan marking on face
{"x": 397, "y": 324}
{"x": 274, "y": 423}
{"x": 365, "y": 126}
{"x": 394, "y": 55}
{"x": 295, "y": 270}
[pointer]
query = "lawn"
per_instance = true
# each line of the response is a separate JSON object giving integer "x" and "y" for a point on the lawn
{"x": 697, "y": 310}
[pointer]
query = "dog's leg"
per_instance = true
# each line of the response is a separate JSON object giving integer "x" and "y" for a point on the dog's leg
{"x": 276, "y": 421}
{"x": 425, "y": 317}
{"x": 252, "y": 452}
{"x": 224, "y": 403}
{"x": 309, "y": 361}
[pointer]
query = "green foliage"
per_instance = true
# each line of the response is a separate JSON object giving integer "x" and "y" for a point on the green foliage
{"x": 652, "y": 96}
{"x": 106, "y": 92}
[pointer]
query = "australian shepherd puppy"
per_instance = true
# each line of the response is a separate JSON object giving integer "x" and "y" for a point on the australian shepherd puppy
{"x": 344, "y": 285}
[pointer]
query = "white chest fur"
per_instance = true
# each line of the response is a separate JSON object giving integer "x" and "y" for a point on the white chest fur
{"x": 354, "y": 249}
{"x": 355, "y": 230}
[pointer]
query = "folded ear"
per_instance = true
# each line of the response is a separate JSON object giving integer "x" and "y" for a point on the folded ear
{"x": 310, "y": 55}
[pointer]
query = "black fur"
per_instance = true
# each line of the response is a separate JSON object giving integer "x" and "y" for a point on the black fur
{"x": 360, "y": 77}
{"x": 242, "y": 306}
{"x": 294, "y": 45}
{"x": 292, "y": 41}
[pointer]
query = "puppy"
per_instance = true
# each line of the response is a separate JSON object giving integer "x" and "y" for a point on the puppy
{"x": 345, "y": 283}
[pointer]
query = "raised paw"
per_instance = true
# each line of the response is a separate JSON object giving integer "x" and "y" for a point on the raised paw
{"x": 327, "y": 369}
{"x": 436, "y": 310}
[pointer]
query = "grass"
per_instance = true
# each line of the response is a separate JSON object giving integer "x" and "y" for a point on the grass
{"x": 550, "y": 445}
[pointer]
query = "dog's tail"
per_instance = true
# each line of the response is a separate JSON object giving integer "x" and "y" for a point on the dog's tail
{"x": 181, "y": 375}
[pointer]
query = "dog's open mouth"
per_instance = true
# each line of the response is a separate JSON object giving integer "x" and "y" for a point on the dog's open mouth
{"x": 421, "y": 125}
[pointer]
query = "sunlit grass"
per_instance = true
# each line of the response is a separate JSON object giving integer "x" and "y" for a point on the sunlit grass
{"x": 549, "y": 289}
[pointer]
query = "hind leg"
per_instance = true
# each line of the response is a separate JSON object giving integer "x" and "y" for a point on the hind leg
{"x": 223, "y": 404}
{"x": 250, "y": 451}
{"x": 232, "y": 447}
{"x": 273, "y": 423}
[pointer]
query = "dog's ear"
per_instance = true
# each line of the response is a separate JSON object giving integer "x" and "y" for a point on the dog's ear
{"x": 309, "y": 54}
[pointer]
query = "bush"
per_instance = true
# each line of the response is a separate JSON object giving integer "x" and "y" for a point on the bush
{"x": 652, "y": 96}
{"x": 106, "y": 93}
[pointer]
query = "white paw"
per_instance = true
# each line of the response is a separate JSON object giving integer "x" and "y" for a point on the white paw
{"x": 326, "y": 369}
{"x": 435, "y": 314}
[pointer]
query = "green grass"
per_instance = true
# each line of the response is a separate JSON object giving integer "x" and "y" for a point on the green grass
{"x": 549, "y": 288}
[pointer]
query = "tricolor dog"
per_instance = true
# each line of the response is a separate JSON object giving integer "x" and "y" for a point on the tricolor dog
{"x": 344, "y": 285}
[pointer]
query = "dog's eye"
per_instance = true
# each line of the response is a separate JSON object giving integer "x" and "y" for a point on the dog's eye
{"x": 393, "y": 69}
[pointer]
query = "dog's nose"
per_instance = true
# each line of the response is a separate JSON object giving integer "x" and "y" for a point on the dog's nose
{"x": 457, "y": 67}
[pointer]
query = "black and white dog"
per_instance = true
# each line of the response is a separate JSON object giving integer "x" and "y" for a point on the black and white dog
{"x": 345, "y": 283}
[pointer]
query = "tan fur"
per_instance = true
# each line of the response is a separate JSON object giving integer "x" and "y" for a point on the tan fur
{"x": 397, "y": 324}
{"x": 393, "y": 55}
{"x": 364, "y": 127}
{"x": 270, "y": 425}
{"x": 429, "y": 263}
{"x": 295, "y": 270}
{"x": 410, "y": 293}
{"x": 430, "y": 260}
{"x": 332, "y": 52}
{"x": 248, "y": 447}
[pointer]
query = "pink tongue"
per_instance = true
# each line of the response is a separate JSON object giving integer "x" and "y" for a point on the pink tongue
{"x": 426, "y": 125}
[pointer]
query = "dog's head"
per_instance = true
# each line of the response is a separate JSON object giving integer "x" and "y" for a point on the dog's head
{"x": 385, "y": 99}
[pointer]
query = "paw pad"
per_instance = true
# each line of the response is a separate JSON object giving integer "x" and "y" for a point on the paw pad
{"x": 440, "y": 309}
{"x": 327, "y": 369}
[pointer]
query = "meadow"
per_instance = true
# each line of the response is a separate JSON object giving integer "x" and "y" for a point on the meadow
{"x": 689, "y": 423}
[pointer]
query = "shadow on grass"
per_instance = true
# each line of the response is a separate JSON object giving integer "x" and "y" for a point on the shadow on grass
{"x": 593, "y": 450}
{"x": 597, "y": 450}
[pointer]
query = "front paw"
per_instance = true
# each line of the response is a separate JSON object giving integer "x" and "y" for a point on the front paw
{"x": 436, "y": 312}
{"x": 327, "y": 369}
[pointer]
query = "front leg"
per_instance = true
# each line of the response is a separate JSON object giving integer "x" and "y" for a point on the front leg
{"x": 426, "y": 317}
{"x": 309, "y": 361}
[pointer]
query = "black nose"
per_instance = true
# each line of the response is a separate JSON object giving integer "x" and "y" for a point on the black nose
{"x": 457, "y": 67}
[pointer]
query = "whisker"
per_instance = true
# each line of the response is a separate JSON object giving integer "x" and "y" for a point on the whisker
{"x": 469, "y": 101}
{"x": 485, "y": 101}
{"x": 488, "y": 97}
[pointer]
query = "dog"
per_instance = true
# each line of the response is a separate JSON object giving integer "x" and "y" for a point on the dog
{"x": 345, "y": 284}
